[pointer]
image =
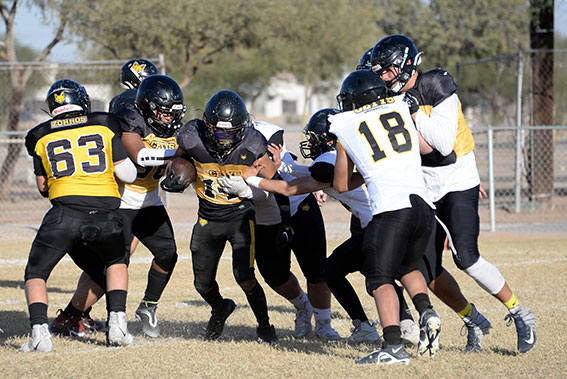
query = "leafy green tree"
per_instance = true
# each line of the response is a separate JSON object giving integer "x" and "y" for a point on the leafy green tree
{"x": 19, "y": 76}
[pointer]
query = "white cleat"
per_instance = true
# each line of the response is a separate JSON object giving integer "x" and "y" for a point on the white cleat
{"x": 117, "y": 332}
{"x": 303, "y": 321}
{"x": 40, "y": 340}
{"x": 430, "y": 328}
{"x": 325, "y": 331}
{"x": 410, "y": 333}
{"x": 364, "y": 332}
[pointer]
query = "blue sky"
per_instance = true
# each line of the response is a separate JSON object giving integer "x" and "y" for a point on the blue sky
{"x": 30, "y": 31}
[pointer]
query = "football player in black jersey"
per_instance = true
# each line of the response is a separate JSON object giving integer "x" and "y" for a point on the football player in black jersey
{"x": 148, "y": 135}
{"x": 131, "y": 74}
{"x": 76, "y": 156}
{"x": 223, "y": 144}
{"x": 436, "y": 110}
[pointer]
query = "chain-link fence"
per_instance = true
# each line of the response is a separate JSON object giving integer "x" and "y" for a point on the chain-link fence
{"x": 516, "y": 106}
{"x": 524, "y": 167}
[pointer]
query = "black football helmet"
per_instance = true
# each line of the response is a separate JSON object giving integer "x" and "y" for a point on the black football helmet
{"x": 399, "y": 51}
{"x": 226, "y": 117}
{"x": 66, "y": 98}
{"x": 359, "y": 88}
{"x": 364, "y": 63}
{"x": 318, "y": 140}
{"x": 135, "y": 70}
{"x": 160, "y": 95}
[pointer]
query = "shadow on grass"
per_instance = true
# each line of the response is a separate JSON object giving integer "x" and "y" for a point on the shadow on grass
{"x": 20, "y": 284}
{"x": 12, "y": 324}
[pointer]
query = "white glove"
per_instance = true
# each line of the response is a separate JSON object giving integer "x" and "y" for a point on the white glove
{"x": 235, "y": 185}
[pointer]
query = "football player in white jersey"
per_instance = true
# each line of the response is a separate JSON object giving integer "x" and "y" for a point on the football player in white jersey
{"x": 320, "y": 146}
{"x": 436, "y": 109}
{"x": 376, "y": 134}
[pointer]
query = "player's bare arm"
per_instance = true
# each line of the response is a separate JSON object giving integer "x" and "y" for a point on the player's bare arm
{"x": 41, "y": 182}
{"x": 297, "y": 186}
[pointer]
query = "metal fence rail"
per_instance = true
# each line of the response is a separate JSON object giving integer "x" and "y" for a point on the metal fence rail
{"x": 495, "y": 151}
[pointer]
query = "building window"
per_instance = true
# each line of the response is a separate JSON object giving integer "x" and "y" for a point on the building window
{"x": 289, "y": 107}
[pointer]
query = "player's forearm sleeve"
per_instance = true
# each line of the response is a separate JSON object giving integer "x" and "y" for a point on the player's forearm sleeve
{"x": 154, "y": 157}
{"x": 126, "y": 171}
{"x": 439, "y": 129}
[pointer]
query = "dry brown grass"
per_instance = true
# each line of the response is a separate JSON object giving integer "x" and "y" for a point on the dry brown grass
{"x": 534, "y": 269}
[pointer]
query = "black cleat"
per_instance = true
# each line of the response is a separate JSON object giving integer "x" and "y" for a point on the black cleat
{"x": 218, "y": 318}
{"x": 267, "y": 333}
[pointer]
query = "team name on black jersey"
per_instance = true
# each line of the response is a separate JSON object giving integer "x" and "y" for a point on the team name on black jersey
{"x": 214, "y": 204}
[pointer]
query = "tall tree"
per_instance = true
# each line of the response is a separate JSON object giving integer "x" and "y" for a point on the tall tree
{"x": 540, "y": 158}
{"x": 19, "y": 75}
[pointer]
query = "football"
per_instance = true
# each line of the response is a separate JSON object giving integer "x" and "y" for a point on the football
{"x": 184, "y": 169}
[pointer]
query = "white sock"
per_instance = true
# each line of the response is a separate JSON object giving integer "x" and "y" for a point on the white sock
{"x": 300, "y": 301}
{"x": 322, "y": 315}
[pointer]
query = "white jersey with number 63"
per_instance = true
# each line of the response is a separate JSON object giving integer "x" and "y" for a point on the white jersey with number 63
{"x": 381, "y": 139}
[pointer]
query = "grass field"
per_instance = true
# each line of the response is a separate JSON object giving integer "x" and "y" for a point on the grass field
{"x": 534, "y": 268}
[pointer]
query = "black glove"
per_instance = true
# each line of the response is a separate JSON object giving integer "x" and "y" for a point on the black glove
{"x": 173, "y": 182}
{"x": 412, "y": 99}
{"x": 284, "y": 236}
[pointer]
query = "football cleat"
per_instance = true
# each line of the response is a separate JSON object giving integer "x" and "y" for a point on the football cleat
{"x": 410, "y": 333}
{"x": 387, "y": 355}
{"x": 117, "y": 332}
{"x": 146, "y": 313}
{"x": 324, "y": 330}
{"x": 40, "y": 340}
{"x": 303, "y": 321}
{"x": 526, "y": 324}
{"x": 430, "y": 327}
{"x": 267, "y": 333}
{"x": 218, "y": 318}
{"x": 74, "y": 326}
{"x": 478, "y": 326}
{"x": 364, "y": 332}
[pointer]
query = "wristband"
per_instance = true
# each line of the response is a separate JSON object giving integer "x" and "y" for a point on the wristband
{"x": 254, "y": 181}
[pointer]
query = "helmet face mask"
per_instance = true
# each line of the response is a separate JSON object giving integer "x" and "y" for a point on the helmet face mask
{"x": 136, "y": 70}
{"x": 318, "y": 139}
{"x": 66, "y": 98}
{"x": 360, "y": 88}
{"x": 225, "y": 118}
{"x": 160, "y": 96}
{"x": 397, "y": 54}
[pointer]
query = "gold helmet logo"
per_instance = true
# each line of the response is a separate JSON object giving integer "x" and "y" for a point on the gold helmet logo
{"x": 137, "y": 68}
{"x": 60, "y": 98}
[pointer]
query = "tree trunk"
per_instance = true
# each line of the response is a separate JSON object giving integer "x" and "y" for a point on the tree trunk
{"x": 14, "y": 149}
{"x": 540, "y": 159}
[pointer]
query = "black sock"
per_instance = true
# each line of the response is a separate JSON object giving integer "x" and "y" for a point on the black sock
{"x": 71, "y": 311}
{"x": 421, "y": 302}
{"x": 156, "y": 284}
{"x": 346, "y": 296}
{"x": 38, "y": 313}
{"x": 405, "y": 313}
{"x": 213, "y": 297}
{"x": 257, "y": 300}
{"x": 392, "y": 335}
{"x": 116, "y": 301}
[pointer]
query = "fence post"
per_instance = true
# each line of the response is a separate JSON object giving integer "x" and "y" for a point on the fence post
{"x": 491, "y": 190}
{"x": 518, "y": 165}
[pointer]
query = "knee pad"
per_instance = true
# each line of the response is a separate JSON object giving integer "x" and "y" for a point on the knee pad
{"x": 487, "y": 276}
{"x": 242, "y": 275}
{"x": 374, "y": 283}
{"x": 465, "y": 252}
{"x": 202, "y": 287}
{"x": 166, "y": 259}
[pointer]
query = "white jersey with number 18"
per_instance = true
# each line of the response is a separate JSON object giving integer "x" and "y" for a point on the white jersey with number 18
{"x": 381, "y": 139}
